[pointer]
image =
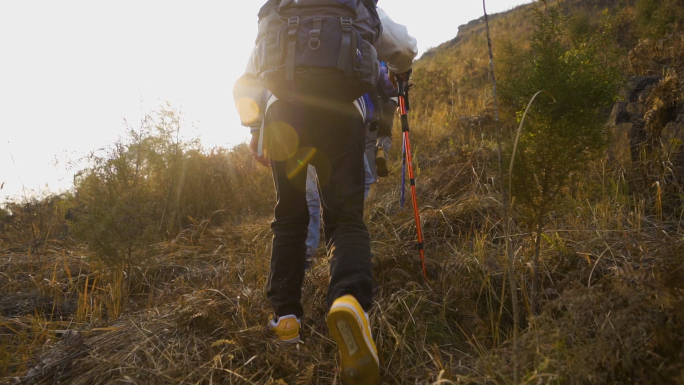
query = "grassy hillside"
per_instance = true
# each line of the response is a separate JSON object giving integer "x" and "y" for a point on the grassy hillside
{"x": 167, "y": 287}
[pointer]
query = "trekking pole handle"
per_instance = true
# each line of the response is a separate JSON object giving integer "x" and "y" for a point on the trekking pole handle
{"x": 403, "y": 87}
{"x": 404, "y": 92}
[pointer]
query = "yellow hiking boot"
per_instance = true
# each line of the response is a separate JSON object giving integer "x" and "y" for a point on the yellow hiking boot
{"x": 349, "y": 327}
{"x": 381, "y": 162}
{"x": 286, "y": 329}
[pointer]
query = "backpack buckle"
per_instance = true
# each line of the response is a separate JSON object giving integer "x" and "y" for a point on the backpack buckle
{"x": 293, "y": 22}
{"x": 314, "y": 34}
{"x": 346, "y": 23}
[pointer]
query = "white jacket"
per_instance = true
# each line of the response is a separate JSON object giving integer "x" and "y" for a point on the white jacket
{"x": 394, "y": 46}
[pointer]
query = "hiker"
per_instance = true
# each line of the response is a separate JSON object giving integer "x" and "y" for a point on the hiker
{"x": 379, "y": 139}
{"x": 297, "y": 129}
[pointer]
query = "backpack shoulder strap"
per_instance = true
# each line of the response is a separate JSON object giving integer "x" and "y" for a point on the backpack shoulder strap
{"x": 372, "y": 8}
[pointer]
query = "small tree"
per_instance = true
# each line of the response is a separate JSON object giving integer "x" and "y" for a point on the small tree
{"x": 559, "y": 139}
{"x": 118, "y": 210}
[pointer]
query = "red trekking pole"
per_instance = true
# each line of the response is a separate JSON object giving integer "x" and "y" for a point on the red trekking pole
{"x": 403, "y": 108}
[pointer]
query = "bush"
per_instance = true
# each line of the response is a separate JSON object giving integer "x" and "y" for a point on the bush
{"x": 154, "y": 184}
{"x": 33, "y": 221}
{"x": 118, "y": 209}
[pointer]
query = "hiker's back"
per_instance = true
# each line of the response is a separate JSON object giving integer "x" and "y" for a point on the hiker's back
{"x": 312, "y": 49}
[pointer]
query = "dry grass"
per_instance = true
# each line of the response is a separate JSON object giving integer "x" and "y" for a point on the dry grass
{"x": 612, "y": 287}
{"x": 196, "y": 313}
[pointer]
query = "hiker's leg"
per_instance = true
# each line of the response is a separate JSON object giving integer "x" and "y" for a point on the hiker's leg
{"x": 314, "y": 203}
{"x": 385, "y": 142}
{"x": 284, "y": 287}
{"x": 370, "y": 143}
{"x": 368, "y": 176}
{"x": 340, "y": 140}
{"x": 387, "y": 118}
{"x": 386, "y": 124}
{"x": 384, "y": 137}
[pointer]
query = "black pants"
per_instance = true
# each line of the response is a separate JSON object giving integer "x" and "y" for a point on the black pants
{"x": 332, "y": 139}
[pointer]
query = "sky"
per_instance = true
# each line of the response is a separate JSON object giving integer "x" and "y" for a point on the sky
{"x": 73, "y": 71}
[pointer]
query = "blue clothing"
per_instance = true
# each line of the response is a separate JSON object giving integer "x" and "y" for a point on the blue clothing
{"x": 314, "y": 202}
{"x": 385, "y": 83}
{"x": 368, "y": 108}
{"x": 369, "y": 177}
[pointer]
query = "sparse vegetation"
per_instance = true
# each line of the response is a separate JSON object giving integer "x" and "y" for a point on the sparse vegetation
{"x": 658, "y": 18}
{"x": 190, "y": 308}
{"x": 565, "y": 131}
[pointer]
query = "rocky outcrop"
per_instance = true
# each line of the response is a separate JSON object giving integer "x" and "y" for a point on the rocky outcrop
{"x": 628, "y": 115}
{"x": 652, "y": 114}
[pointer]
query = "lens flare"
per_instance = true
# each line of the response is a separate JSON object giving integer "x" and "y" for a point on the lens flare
{"x": 282, "y": 141}
{"x": 249, "y": 110}
{"x": 299, "y": 161}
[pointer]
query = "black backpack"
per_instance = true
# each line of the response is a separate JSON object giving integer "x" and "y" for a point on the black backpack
{"x": 308, "y": 50}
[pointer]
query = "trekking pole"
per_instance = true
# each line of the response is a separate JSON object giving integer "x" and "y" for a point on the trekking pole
{"x": 403, "y": 108}
{"x": 403, "y": 170}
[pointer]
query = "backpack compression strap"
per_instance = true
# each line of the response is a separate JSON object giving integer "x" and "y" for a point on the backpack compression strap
{"x": 292, "y": 25}
{"x": 347, "y": 37}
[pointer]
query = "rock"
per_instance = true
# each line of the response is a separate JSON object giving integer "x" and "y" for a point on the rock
{"x": 678, "y": 165}
{"x": 635, "y": 108}
{"x": 619, "y": 114}
{"x": 637, "y": 84}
